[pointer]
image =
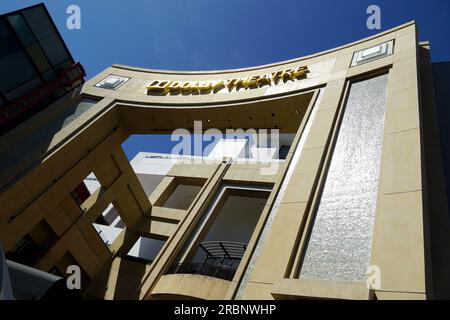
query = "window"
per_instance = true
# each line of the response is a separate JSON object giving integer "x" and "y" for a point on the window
{"x": 80, "y": 194}
{"x": 13, "y": 75}
{"x": 34, "y": 245}
{"x": 110, "y": 217}
{"x": 145, "y": 249}
{"x": 283, "y": 152}
{"x": 25, "y": 251}
{"x": 23, "y": 89}
{"x": 54, "y": 49}
{"x": 8, "y": 41}
{"x": 112, "y": 82}
{"x": 107, "y": 233}
{"x": 21, "y": 28}
{"x": 35, "y": 64}
{"x": 38, "y": 57}
{"x": 85, "y": 189}
{"x": 182, "y": 197}
{"x": 220, "y": 239}
{"x": 373, "y": 53}
{"x": 180, "y": 193}
{"x": 39, "y": 22}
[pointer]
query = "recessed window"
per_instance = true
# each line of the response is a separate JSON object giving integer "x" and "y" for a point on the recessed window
{"x": 12, "y": 75}
{"x": 25, "y": 251}
{"x": 107, "y": 233}
{"x": 112, "y": 82}
{"x": 373, "y": 53}
{"x": 84, "y": 190}
{"x": 180, "y": 193}
{"x": 182, "y": 197}
{"x": 34, "y": 245}
{"x": 110, "y": 217}
{"x": 283, "y": 152}
{"x": 221, "y": 238}
{"x": 145, "y": 249}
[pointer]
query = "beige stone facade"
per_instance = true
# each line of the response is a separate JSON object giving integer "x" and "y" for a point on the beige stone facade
{"x": 411, "y": 228}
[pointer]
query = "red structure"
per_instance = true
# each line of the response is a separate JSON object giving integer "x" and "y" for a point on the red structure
{"x": 66, "y": 79}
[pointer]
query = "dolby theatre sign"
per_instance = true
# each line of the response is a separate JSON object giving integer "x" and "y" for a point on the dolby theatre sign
{"x": 162, "y": 87}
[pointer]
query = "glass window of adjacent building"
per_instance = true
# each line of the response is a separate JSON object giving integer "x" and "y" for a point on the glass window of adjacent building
{"x": 11, "y": 56}
{"x": 30, "y": 40}
{"x": 39, "y": 22}
{"x": 54, "y": 49}
{"x": 23, "y": 31}
{"x": 32, "y": 55}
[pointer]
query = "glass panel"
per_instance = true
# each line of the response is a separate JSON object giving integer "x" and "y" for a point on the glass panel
{"x": 49, "y": 76}
{"x": 22, "y": 30}
{"x": 24, "y": 89}
{"x": 39, "y": 22}
{"x": 9, "y": 43}
{"x": 283, "y": 152}
{"x": 341, "y": 238}
{"x": 63, "y": 66}
{"x": 38, "y": 57}
{"x": 16, "y": 69}
{"x": 54, "y": 49}
{"x": 112, "y": 82}
{"x": 58, "y": 93}
{"x": 237, "y": 219}
{"x": 220, "y": 238}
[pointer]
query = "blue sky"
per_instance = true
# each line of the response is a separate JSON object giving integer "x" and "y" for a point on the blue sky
{"x": 206, "y": 35}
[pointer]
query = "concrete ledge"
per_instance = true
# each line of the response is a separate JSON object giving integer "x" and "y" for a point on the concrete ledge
{"x": 190, "y": 285}
{"x": 321, "y": 289}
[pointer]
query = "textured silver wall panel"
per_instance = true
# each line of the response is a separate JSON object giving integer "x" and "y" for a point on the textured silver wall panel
{"x": 341, "y": 239}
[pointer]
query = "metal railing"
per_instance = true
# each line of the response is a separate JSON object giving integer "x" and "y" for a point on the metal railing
{"x": 222, "y": 260}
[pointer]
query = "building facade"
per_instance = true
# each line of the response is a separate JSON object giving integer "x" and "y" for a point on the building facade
{"x": 348, "y": 202}
{"x": 37, "y": 68}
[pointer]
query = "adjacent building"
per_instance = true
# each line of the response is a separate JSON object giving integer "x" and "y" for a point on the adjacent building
{"x": 37, "y": 68}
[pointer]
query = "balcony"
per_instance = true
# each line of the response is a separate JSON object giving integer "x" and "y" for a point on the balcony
{"x": 221, "y": 260}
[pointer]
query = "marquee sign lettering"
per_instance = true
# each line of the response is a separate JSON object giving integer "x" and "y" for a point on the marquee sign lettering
{"x": 163, "y": 87}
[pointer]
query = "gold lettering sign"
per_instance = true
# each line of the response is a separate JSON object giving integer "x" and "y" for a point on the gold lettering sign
{"x": 193, "y": 87}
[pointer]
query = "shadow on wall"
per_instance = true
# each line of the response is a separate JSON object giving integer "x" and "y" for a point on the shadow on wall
{"x": 39, "y": 140}
{"x": 441, "y": 79}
